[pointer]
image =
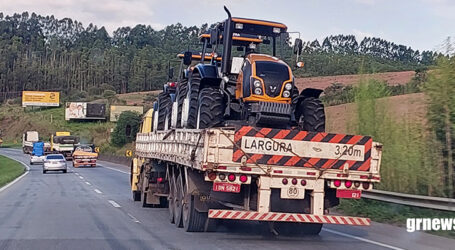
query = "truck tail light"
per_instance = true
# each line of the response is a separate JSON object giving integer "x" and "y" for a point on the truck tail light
{"x": 366, "y": 185}
{"x": 348, "y": 184}
{"x": 294, "y": 181}
{"x": 337, "y": 183}
{"x": 303, "y": 182}
{"x": 159, "y": 179}
{"x": 284, "y": 181}
{"x": 212, "y": 176}
{"x": 243, "y": 178}
{"x": 356, "y": 184}
{"x": 231, "y": 177}
{"x": 222, "y": 177}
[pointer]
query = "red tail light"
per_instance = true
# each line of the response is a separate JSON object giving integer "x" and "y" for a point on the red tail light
{"x": 348, "y": 184}
{"x": 294, "y": 181}
{"x": 337, "y": 183}
{"x": 366, "y": 185}
{"x": 231, "y": 177}
{"x": 243, "y": 178}
{"x": 159, "y": 179}
{"x": 303, "y": 182}
{"x": 285, "y": 181}
{"x": 212, "y": 176}
{"x": 172, "y": 84}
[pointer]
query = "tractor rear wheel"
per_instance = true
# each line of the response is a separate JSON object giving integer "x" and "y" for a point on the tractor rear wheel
{"x": 211, "y": 108}
{"x": 195, "y": 83}
{"x": 312, "y": 115}
{"x": 164, "y": 109}
{"x": 181, "y": 95}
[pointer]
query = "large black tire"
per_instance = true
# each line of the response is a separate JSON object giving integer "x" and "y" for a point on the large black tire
{"x": 178, "y": 201}
{"x": 181, "y": 95}
{"x": 195, "y": 83}
{"x": 136, "y": 196}
{"x": 164, "y": 109}
{"x": 297, "y": 229}
{"x": 171, "y": 201}
{"x": 193, "y": 221}
{"x": 211, "y": 108}
{"x": 312, "y": 115}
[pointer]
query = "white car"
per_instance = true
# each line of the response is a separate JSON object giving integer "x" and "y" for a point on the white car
{"x": 34, "y": 159}
{"x": 54, "y": 162}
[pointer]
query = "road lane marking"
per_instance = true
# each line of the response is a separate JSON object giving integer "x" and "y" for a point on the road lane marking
{"x": 113, "y": 203}
{"x": 27, "y": 169}
{"x": 361, "y": 239}
{"x": 88, "y": 183}
{"x": 80, "y": 177}
{"x": 99, "y": 192}
{"x": 133, "y": 218}
{"x": 76, "y": 173}
{"x": 115, "y": 169}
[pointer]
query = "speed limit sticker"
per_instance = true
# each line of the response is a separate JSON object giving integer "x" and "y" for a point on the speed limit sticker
{"x": 292, "y": 193}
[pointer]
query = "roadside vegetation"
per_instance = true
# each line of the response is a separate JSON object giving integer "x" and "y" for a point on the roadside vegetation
{"x": 9, "y": 170}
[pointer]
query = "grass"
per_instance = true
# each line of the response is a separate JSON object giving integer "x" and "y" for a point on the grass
{"x": 393, "y": 213}
{"x": 9, "y": 170}
{"x": 11, "y": 145}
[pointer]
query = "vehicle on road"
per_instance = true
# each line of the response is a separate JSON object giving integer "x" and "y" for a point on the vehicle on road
{"x": 248, "y": 145}
{"x": 84, "y": 155}
{"x": 37, "y": 156}
{"x": 28, "y": 138}
{"x": 64, "y": 143}
{"x": 54, "y": 162}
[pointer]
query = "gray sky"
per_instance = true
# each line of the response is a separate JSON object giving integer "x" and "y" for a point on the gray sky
{"x": 421, "y": 24}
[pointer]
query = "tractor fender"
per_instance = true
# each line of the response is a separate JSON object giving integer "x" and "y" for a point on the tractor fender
{"x": 311, "y": 92}
{"x": 208, "y": 74}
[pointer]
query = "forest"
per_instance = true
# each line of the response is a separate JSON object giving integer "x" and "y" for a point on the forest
{"x": 45, "y": 53}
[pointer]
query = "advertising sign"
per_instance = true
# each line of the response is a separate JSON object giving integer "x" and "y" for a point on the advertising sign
{"x": 40, "y": 98}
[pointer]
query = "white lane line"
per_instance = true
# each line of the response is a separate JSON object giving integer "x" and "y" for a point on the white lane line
{"x": 76, "y": 173}
{"x": 99, "y": 192}
{"x": 115, "y": 169}
{"x": 133, "y": 218}
{"x": 362, "y": 239}
{"x": 113, "y": 203}
{"x": 80, "y": 177}
{"x": 88, "y": 183}
{"x": 27, "y": 168}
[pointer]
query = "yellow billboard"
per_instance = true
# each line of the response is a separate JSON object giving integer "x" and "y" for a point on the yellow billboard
{"x": 40, "y": 98}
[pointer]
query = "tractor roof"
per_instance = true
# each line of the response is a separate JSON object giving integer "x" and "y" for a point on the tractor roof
{"x": 238, "y": 39}
{"x": 258, "y": 27}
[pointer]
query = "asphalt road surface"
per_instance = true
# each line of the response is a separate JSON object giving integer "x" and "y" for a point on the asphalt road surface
{"x": 92, "y": 208}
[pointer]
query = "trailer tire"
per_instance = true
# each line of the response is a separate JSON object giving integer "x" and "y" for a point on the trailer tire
{"x": 178, "y": 204}
{"x": 195, "y": 83}
{"x": 164, "y": 107}
{"x": 181, "y": 95}
{"x": 171, "y": 201}
{"x": 193, "y": 220}
{"x": 211, "y": 108}
{"x": 136, "y": 196}
{"x": 311, "y": 115}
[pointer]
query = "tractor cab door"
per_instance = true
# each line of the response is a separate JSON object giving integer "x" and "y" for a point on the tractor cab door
{"x": 243, "y": 81}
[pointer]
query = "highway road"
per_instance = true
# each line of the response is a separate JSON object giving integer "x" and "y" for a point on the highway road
{"x": 91, "y": 208}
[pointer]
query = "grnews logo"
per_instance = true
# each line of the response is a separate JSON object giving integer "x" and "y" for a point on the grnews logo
{"x": 430, "y": 224}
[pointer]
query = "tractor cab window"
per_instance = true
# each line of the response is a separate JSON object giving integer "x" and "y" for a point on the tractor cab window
{"x": 246, "y": 78}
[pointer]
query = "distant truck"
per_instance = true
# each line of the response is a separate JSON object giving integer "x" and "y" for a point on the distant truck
{"x": 28, "y": 138}
{"x": 84, "y": 155}
{"x": 64, "y": 143}
{"x": 37, "y": 156}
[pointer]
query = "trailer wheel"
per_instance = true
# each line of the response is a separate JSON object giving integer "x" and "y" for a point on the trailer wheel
{"x": 297, "y": 229}
{"x": 211, "y": 108}
{"x": 182, "y": 92}
{"x": 164, "y": 106}
{"x": 193, "y": 100}
{"x": 178, "y": 201}
{"x": 171, "y": 201}
{"x": 311, "y": 115}
{"x": 136, "y": 196}
{"x": 193, "y": 220}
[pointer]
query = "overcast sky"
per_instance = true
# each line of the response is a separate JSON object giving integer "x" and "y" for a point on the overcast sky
{"x": 421, "y": 24}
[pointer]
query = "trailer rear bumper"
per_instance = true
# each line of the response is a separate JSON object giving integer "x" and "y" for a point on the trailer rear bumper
{"x": 287, "y": 217}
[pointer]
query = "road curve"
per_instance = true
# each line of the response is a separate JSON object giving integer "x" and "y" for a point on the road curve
{"x": 91, "y": 208}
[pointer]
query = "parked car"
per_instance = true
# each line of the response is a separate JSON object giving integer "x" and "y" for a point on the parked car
{"x": 54, "y": 162}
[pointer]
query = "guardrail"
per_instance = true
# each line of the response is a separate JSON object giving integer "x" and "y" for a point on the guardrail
{"x": 439, "y": 203}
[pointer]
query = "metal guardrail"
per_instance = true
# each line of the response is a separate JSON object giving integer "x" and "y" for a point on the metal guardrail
{"x": 439, "y": 203}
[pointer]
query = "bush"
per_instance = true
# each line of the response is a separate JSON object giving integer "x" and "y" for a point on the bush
{"x": 126, "y": 129}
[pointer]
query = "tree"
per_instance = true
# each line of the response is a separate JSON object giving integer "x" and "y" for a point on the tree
{"x": 126, "y": 129}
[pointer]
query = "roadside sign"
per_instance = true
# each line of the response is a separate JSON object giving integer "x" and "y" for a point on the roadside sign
{"x": 40, "y": 98}
{"x": 97, "y": 149}
{"x": 129, "y": 153}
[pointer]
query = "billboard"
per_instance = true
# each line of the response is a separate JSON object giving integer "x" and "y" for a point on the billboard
{"x": 40, "y": 98}
{"x": 86, "y": 111}
{"x": 117, "y": 110}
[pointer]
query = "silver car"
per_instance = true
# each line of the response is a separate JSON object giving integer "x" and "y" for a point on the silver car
{"x": 54, "y": 162}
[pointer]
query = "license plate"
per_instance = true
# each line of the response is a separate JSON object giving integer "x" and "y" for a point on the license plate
{"x": 292, "y": 193}
{"x": 349, "y": 194}
{"x": 226, "y": 187}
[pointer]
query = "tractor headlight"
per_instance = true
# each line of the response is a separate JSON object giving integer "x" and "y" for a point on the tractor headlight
{"x": 276, "y": 30}
{"x": 258, "y": 91}
{"x": 286, "y": 94}
{"x": 288, "y": 86}
{"x": 257, "y": 84}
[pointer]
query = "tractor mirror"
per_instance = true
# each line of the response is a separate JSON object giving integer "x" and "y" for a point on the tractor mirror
{"x": 187, "y": 58}
{"x": 214, "y": 36}
{"x": 266, "y": 41}
{"x": 298, "y": 46}
{"x": 300, "y": 64}
{"x": 170, "y": 73}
